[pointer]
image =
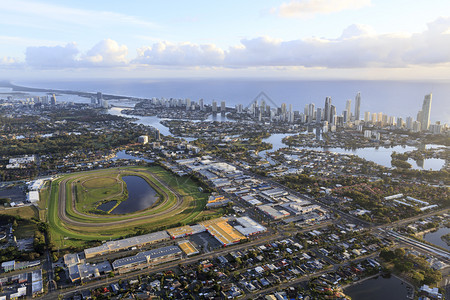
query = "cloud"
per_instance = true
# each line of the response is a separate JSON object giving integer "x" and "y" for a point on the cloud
{"x": 56, "y": 57}
{"x": 107, "y": 53}
{"x": 309, "y": 8}
{"x": 357, "y": 47}
{"x": 357, "y": 30}
{"x": 181, "y": 54}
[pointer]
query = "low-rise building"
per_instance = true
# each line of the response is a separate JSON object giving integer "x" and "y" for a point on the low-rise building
{"x": 147, "y": 258}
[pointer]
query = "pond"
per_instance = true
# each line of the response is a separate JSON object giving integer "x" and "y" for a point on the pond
{"x": 389, "y": 288}
{"x": 140, "y": 196}
{"x": 123, "y": 155}
{"x": 436, "y": 237}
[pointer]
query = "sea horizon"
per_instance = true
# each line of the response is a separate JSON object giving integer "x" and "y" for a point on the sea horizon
{"x": 399, "y": 98}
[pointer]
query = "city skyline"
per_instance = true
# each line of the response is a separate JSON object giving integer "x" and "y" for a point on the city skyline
{"x": 321, "y": 39}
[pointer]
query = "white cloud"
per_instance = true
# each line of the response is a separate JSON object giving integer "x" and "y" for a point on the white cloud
{"x": 309, "y": 8}
{"x": 107, "y": 53}
{"x": 57, "y": 57}
{"x": 357, "y": 30}
{"x": 358, "y": 47}
{"x": 182, "y": 54}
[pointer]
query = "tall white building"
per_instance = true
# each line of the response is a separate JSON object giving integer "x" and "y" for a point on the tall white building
{"x": 357, "y": 105}
{"x": 426, "y": 110}
{"x": 327, "y": 111}
{"x": 367, "y": 116}
{"x": 348, "y": 108}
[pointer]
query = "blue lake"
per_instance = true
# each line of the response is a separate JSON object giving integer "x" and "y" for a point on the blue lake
{"x": 140, "y": 196}
{"x": 378, "y": 288}
{"x": 436, "y": 237}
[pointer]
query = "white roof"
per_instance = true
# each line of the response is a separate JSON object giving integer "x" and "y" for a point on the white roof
{"x": 8, "y": 263}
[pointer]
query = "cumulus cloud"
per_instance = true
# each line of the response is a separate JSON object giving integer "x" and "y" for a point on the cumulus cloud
{"x": 107, "y": 53}
{"x": 52, "y": 57}
{"x": 309, "y": 8}
{"x": 182, "y": 54}
{"x": 357, "y": 47}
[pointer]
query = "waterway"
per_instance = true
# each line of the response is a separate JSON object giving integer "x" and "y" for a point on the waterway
{"x": 379, "y": 155}
{"x": 436, "y": 237}
{"x": 123, "y": 155}
{"x": 378, "y": 288}
{"x": 140, "y": 196}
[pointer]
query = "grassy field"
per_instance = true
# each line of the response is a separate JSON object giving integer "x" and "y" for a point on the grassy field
{"x": 25, "y": 229}
{"x": 96, "y": 183}
{"x": 91, "y": 192}
{"x": 25, "y": 212}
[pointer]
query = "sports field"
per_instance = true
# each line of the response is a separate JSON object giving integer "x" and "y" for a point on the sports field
{"x": 73, "y": 217}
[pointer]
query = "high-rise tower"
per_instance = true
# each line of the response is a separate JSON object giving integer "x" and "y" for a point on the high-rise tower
{"x": 426, "y": 109}
{"x": 327, "y": 111}
{"x": 348, "y": 108}
{"x": 357, "y": 105}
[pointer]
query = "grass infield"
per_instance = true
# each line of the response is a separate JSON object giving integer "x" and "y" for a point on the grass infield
{"x": 180, "y": 203}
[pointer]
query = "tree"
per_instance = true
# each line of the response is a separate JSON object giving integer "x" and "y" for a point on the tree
{"x": 399, "y": 252}
{"x": 418, "y": 277}
{"x": 432, "y": 277}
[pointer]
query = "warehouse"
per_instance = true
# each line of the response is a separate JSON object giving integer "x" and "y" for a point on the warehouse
{"x": 249, "y": 227}
{"x": 147, "y": 258}
{"x": 124, "y": 244}
{"x": 33, "y": 196}
{"x": 272, "y": 212}
{"x": 223, "y": 232}
{"x": 188, "y": 248}
{"x": 84, "y": 271}
{"x": 185, "y": 231}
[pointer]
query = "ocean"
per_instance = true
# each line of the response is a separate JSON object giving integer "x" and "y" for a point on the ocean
{"x": 394, "y": 98}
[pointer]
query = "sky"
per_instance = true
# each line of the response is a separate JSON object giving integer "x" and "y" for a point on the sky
{"x": 301, "y": 39}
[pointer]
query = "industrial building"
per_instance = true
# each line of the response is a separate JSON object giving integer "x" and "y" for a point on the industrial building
{"x": 272, "y": 212}
{"x": 84, "y": 271}
{"x": 124, "y": 244}
{"x": 185, "y": 231}
{"x": 36, "y": 185}
{"x": 33, "y": 196}
{"x": 8, "y": 266}
{"x": 222, "y": 231}
{"x": 249, "y": 227}
{"x": 37, "y": 286}
{"x": 188, "y": 248}
{"x": 147, "y": 258}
